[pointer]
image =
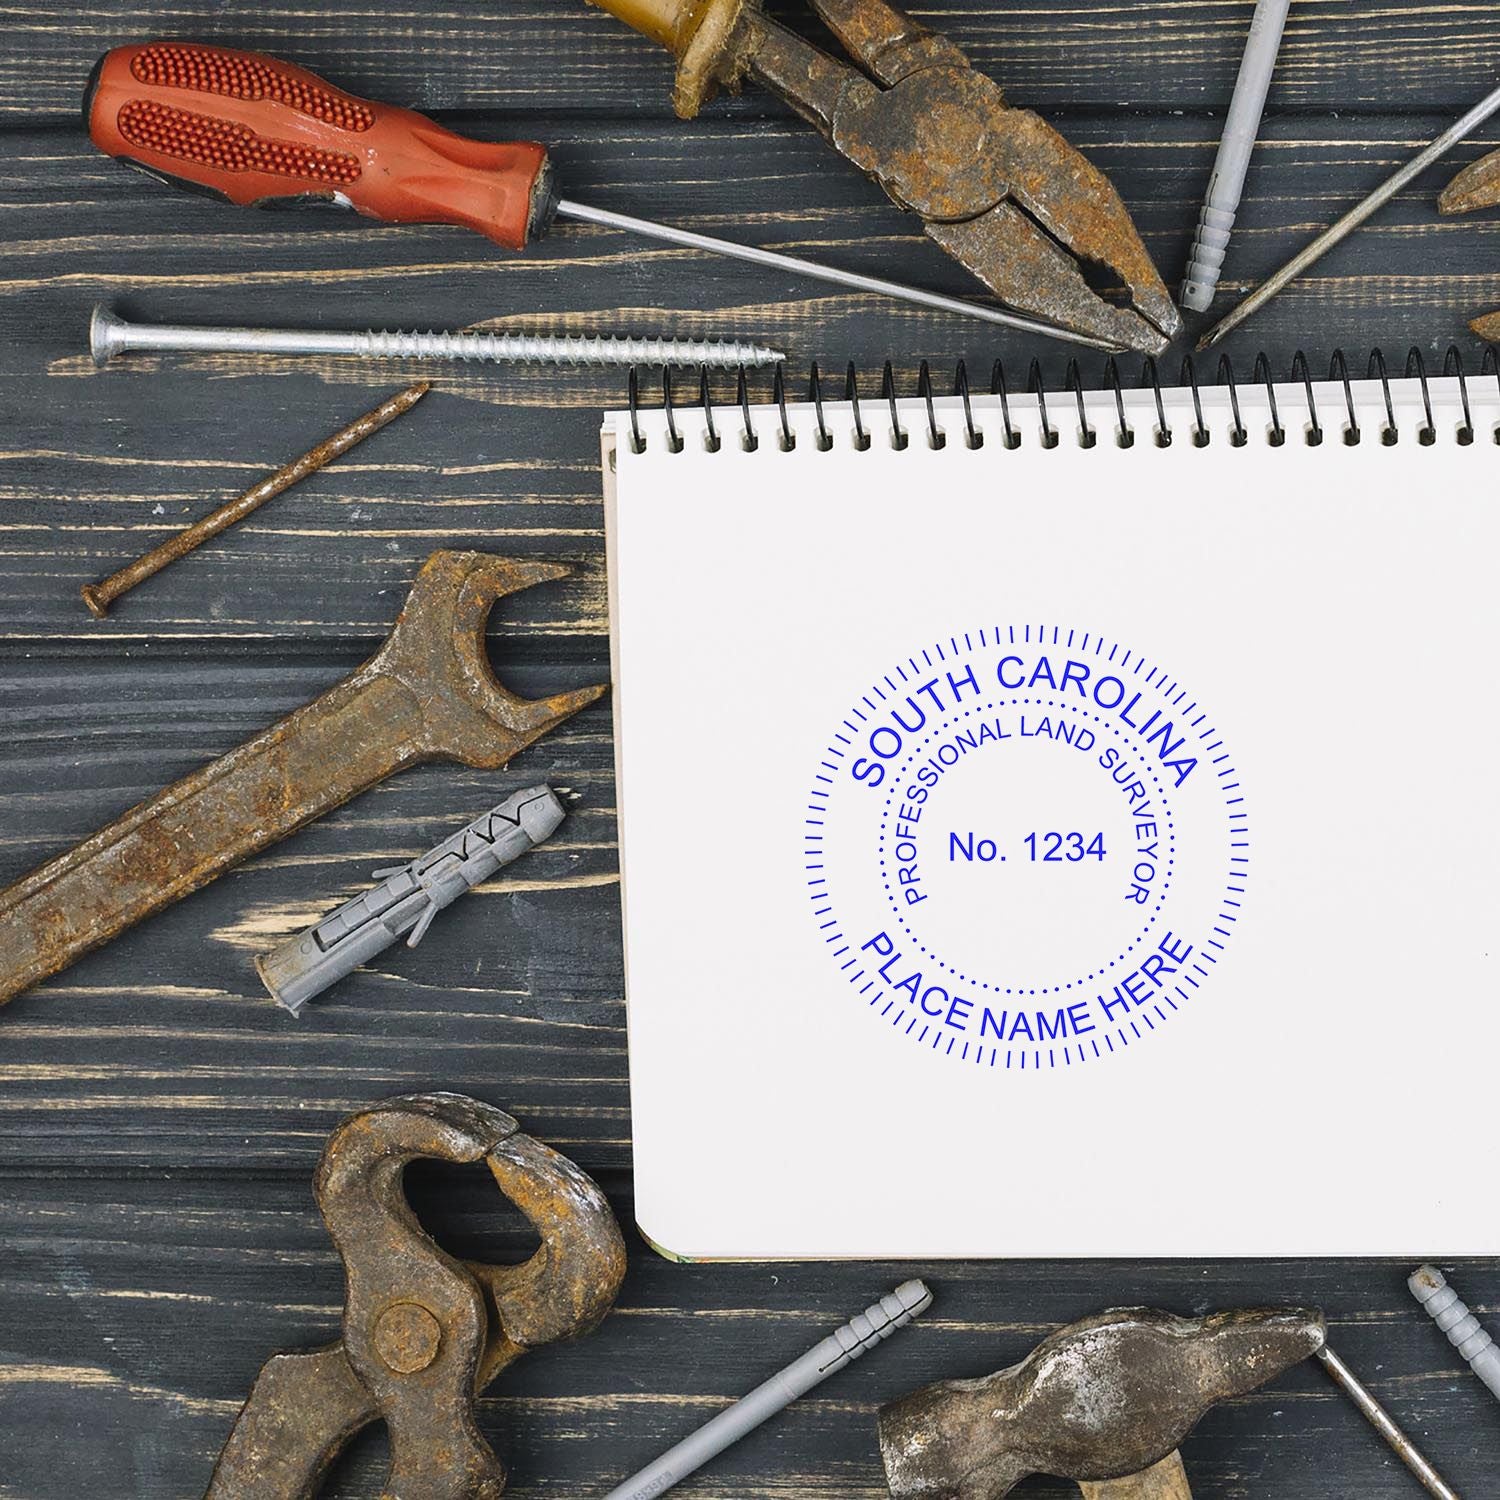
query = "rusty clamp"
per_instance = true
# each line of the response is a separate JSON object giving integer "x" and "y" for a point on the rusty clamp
{"x": 423, "y": 1332}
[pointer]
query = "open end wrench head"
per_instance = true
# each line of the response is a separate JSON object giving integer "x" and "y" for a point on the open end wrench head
{"x": 438, "y": 649}
{"x": 428, "y": 693}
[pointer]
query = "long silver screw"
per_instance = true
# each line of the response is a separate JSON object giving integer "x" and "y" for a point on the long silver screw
{"x": 1431, "y": 1289}
{"x": 110, "y": 335}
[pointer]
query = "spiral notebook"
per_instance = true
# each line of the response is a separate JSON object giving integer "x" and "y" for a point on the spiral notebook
{"x": 1061, "y": 824}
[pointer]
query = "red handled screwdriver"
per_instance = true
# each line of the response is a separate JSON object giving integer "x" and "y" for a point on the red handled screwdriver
{"x": 255, "y": 130}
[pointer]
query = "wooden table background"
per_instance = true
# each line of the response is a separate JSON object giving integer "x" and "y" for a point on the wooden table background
{"x": 159, "y": 1117}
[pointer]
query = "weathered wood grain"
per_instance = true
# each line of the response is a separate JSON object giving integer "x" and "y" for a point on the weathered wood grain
{"x": 559, "y": 57}
{"x": 149, "y": 1319}
{"x": 505, "y": 457}
{"x": 169, "y": 1032}
{"x": 159, "y": 1116}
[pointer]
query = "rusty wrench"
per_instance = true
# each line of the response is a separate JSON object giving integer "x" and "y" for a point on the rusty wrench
{"x": 429, "y": 693}
{"x": 423, "y": 1333}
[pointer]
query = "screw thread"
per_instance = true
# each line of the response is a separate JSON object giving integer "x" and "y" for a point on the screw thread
{"x": 1463, "y": 1330}
{"x": 520, "y": 348}
{"x": 1206, "y": 258}
{"x": 881, "y": 1319}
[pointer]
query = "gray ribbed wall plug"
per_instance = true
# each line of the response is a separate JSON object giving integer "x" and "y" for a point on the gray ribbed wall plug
{"x": 1443, "y": 1306}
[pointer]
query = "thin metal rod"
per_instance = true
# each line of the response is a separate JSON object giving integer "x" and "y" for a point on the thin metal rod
{"x": 1354, "y": 218}
{"x": 1226, "y": 183}
{"x": 1382, "y": 1421}
{"x": 799, "y": 267}
{"x": 99, "y": 596}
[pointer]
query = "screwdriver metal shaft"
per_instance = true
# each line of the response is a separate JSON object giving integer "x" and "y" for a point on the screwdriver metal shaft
{"x": 567, "y": 209}
{"x": 196, "y": 114}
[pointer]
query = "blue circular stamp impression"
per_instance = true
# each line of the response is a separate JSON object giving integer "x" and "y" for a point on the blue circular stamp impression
{"x": 1026, "y": 848}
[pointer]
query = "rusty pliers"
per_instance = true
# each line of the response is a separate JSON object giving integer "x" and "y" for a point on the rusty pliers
{"x": 996, "y": 187}
{"x": 1474, "y": 188}
{"x": 423, "y": 1333}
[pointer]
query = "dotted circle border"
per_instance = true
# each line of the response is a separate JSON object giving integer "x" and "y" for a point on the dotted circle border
{"x": 1032, "y": 1057}
{"x": 899, "y": 775}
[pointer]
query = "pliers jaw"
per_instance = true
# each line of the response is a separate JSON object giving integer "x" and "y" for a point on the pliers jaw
{"x": 1476, "y": 187}
{"x": 996, "y": 187}
{"x": 1059, "y": 203}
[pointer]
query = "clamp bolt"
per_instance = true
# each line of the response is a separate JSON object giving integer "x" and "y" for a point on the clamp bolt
{"x": 407, "y": 1337}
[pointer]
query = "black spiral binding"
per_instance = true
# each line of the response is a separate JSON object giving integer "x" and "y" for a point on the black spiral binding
{"x": 1124, "y": 434}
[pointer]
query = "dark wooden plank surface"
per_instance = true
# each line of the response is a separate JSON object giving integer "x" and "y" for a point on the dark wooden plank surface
{"x": 562, "y": 58}
{"x": 159, "y": 1118}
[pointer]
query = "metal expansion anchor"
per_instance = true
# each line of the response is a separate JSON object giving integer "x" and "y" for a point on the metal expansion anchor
{"x": 429, "y": 693}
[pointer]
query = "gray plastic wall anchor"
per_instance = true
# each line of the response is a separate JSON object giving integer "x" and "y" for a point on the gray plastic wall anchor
{"x": 1227, "y": 182}
{"x": 407, "y": 898}
{"x": 1206, "y": 259}
{"x": 844, "y": 1345}
{"x": 1431, "y": 1289}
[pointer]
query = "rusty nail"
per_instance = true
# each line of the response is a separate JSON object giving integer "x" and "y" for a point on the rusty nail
{"x": 99, "y": 596}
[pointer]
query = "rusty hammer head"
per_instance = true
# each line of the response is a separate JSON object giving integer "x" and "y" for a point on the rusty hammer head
{"x": 1107, "y": 1397}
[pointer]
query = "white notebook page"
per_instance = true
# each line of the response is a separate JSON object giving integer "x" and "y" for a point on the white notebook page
{"x": 1061, "y": 851}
